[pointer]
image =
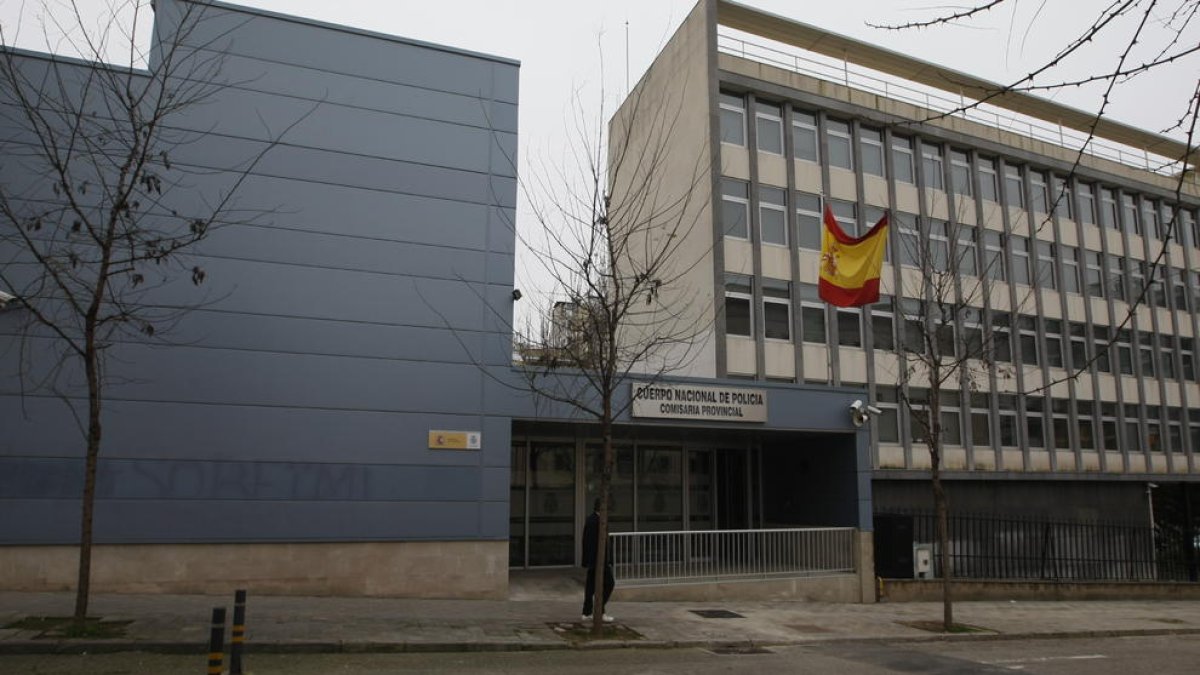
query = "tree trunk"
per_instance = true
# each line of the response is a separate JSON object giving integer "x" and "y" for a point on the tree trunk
{"x": 84, "y": 581}
{"x": 598, "y": 608}
{"x": 941, "y": 512}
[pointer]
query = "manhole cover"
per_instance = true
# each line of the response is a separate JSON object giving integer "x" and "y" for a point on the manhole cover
{"x": 740, "y": 649}
{"x": 717, "y": 614}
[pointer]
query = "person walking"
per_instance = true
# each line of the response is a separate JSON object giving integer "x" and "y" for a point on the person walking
{"x": 591, "y": 529}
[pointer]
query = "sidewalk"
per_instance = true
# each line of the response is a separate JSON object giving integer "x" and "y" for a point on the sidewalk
{"x": 179, "y": 623}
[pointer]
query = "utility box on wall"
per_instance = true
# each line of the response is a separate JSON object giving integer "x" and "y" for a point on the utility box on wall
{"x": 922, "y": 561}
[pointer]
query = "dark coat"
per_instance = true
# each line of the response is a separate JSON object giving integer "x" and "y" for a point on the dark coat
{"x": 590, "y": 529}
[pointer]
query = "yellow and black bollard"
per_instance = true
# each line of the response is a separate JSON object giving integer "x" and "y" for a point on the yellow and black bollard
{"x": 237, "y": 637}
{"x": 216, "y": 642}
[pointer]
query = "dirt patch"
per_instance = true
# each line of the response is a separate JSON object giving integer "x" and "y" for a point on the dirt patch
{"x": 580, "y": 632}
{"x": 939, "y": 627}
{"x": 59, "y": 627}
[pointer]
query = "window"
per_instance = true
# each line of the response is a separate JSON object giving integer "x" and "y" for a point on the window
{"x": 989, "y": 186}
{"x": 910, "y": 240}
{"x": 812, "y": 314}
{"x": 1154, "y": 428}
{"x": 931, "y": 162}
{"x": 1133, "y": 434}
{"x": 1001, "y": 337}
{"x": 1124, "y": 351}
{"x": 1137, "y": 280}
{"x": 960, "y": 173}
{"x": 772, "y": 215}
{"x": 768, "y": 121}
{"x": 883, "y": 320}
{"x": 1108, "y": 209}
{"x": 1187, "y": 364}
{"x": 1062, "y": 197}
{"x": 870, "y": 145}
{"x": 837, "y": 135}
{"x": 1054, "y": 343}
{"x": 918, "y": 413}
{"x": 1060, "y": 410}
{"x": 1108, "y": 425}
{"x": 902, "y": 160}
{"x": 849, "y": 327}
{"x": 1086, "y": 196}
{"x": 1146, "y": 349}
{"x": 1079, "y": 345}
{"x": 846, "y": 214}
{"x": 1100, "y": 347}
{"x": 889, "y": 421}
{"x": 1070, "y": 269}
{"x": 1150, "y": 219}
{"x": 777, "y": 310}
{"x": 1014, "y": 186}
{"x": 1009, "y": 431}
{"x": 914, "y": 325}
{"x": 951, "y": 417}
{"x": 1039, "y": 192}
{"x": 993, "y": 254}
{"x": 808, "y": 221}
{"x": 804, "y": 136}
{"x": 1155, "y": 294}
{"x": 1035, "y": 413}
{"x": 1179, "y": 290}
{"x": 1166, "y": 356}
{"x": 981, "y": 431}
{"x": 1192, "y": 227}
{"x": 1094, "y": 274}
{"x": 1116, "y": 277}
{"x": 967, "y": 252}
{"x": 1020, "y": 260}
{"x": 1174, "y": 429}
{"x": 733, "y": 119}
{"x": 970, "y": 331}
{"x": 939, "y": 244}
{"x": 1133, "y": 224}
{"x": 1027, "y": 339}
{"x": 739, "y": 320}
{"x": 735, "y": 208}
{"x": 1086, "y": 417}
{"x": 1045, "y": 265}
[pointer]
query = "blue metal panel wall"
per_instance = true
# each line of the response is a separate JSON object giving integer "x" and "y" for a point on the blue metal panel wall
{"x": 336, "y": 330}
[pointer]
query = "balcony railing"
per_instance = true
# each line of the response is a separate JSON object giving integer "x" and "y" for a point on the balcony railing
{"x": 939, "y": 102}
{"x": 647, "y": 558}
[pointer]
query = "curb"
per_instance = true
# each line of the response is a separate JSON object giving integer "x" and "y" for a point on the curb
{"x": 16, "y": 647}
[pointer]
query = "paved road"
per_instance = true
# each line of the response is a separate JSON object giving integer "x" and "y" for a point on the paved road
{"x": 1161, "y": 655}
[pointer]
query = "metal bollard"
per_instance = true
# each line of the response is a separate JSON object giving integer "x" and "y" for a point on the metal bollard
{"x": 216, "y": 642}
{"x": 237, "y": 636}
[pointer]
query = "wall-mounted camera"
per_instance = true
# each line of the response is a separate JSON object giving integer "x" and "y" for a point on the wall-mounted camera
{"x": 861, "y": 412}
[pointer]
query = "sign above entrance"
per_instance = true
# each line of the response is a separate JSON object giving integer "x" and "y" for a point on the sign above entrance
{"x": 453, "y": 440}
{"x": 694, "y": 402}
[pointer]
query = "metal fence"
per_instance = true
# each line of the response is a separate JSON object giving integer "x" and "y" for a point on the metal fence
{"x": 1003, "y": 547}
{"x": 646, "y": 558}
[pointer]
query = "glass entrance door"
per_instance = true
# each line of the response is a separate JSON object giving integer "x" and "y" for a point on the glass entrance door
{"x": 551, "y": 504}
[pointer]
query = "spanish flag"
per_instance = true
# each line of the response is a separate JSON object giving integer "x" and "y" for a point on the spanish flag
{"x": 850, "y": 267}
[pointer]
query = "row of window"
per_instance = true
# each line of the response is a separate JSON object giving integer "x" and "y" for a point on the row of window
{"x": 970, "y": 174}
{"x": 956, "y": 247}
{"x": 1107, "y": 425}
{"x": 1064, "y": 344}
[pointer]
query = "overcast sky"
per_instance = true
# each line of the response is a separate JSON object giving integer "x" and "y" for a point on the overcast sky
{"x": 561, "y": 45}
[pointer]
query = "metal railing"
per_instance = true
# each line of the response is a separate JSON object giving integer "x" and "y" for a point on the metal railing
{"x": 647, "y": 558}
{"x": 864, "y": 79}
{"x": 1007, "y": 547}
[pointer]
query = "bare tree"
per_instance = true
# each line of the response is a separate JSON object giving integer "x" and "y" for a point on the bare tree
{"x": 98, "y": 208}
{"x": 612, "y": 237}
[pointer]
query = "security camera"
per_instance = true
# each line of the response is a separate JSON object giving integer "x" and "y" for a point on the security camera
{"x": 857, "y": 406}
{"x": 6, "y": 298}
{"x": 873, "y": 410}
